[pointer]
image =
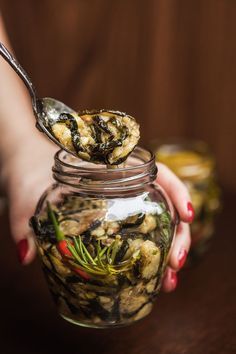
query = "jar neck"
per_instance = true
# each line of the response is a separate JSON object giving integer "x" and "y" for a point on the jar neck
{"x": 139, "y": 170}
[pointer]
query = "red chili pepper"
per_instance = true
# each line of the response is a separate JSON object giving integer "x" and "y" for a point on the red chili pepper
{"x": 61, "y": 240}
{"x": 82, "y": 273}
{"x": 63, "y": 249}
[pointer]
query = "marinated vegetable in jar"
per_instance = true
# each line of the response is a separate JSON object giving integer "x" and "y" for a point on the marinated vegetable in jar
{"x": 192, "y": 162}
{"x": 103, "y": 237}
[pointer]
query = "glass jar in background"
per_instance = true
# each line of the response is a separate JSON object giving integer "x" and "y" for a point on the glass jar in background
{"x": 193, "y": 163}
{"x": 103, "y": 236}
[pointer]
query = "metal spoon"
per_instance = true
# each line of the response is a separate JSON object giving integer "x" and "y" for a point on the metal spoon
{"x": 46, "y": 110}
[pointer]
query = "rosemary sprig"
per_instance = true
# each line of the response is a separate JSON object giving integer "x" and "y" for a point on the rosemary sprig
{"x": 104, "y": 261}
{"x": 78, "y": 256}
{"x": 84, "y": 249}
{"x": 115, "y": 248}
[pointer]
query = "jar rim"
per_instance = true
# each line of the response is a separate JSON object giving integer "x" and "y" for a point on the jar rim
{"x": 140, "y": 169}
{"x": 104, "y": 168}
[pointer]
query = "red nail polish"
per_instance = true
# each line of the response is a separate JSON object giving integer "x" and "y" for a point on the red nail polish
{"x": 174, "y": 279}
{"x": 182, "y": 257}
{"x": 22, "y": 248}
{"x": 190, "y": 212}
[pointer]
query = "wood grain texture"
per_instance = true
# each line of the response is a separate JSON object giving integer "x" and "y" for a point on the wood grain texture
{"x": 169, "y": 63}
{"x": 199, "y": 317}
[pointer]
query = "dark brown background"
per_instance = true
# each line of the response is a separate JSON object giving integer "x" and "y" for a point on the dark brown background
{"x": 169, "y": 63}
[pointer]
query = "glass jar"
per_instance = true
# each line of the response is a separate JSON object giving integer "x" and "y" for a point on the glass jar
{"x": 193, "y": 163}
{"x": 103, "y": 236}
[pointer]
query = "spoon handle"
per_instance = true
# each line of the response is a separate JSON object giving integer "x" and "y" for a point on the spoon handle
{"x": 21, "y": 73}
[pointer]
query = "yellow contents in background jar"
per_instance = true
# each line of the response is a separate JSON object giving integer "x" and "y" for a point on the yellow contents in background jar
{"x": 192, "y": 162}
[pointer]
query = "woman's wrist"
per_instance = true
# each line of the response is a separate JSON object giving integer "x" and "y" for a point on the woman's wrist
{"x": 23, "y": 149}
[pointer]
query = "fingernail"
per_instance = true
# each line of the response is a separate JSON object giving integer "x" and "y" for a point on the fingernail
{"x": 190, "y": 212}
{"x": 22, "y": 248}
{"x": 173, "y": 279}
{"x": 182, "y": 257}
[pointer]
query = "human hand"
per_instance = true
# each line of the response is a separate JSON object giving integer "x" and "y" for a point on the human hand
{"x": 180, "y": 197}
{"x": 26, "y": 173}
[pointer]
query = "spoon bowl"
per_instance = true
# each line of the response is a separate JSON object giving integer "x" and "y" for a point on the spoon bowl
{"x": 48, "y": 115}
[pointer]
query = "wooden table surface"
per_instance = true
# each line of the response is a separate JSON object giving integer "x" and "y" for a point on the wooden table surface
{"x": 199, "y": 317}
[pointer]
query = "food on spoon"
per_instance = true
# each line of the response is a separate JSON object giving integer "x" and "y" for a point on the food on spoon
{"x": 98, "y": 136}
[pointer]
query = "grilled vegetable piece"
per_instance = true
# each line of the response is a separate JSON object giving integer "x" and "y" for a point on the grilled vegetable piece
{"x": 144, "y": 311}
{"x": 132, "y": 299}
{"x": 150, "y": 256}
{"x": 99, "y": 136}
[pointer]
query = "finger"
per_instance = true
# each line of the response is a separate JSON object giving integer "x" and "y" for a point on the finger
{"x": 170, "y": 280}
{"x": 26, "y": 249}
{"x": 177, "y": 192}
{"x": 181, "y": 246}
{"x": 22, "y": 236}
